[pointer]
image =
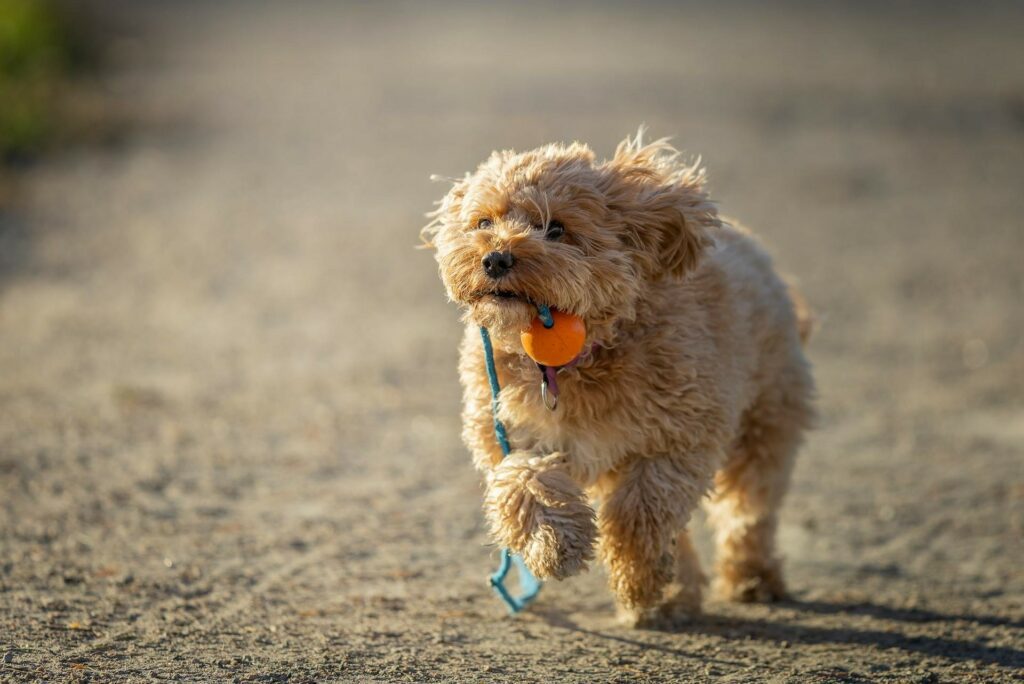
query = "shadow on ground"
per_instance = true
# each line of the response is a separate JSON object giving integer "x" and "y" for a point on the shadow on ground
{"x": 785, "y": 632}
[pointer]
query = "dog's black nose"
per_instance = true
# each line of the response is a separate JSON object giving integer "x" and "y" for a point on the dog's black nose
{"x": 497, "y": 264}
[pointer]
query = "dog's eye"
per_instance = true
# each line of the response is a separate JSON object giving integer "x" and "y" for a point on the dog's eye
{"x": 484, "y": 223}
{"x": 555, "y": 230}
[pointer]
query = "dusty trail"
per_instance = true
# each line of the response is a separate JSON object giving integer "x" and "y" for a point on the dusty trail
{"x": 228, "y": 408}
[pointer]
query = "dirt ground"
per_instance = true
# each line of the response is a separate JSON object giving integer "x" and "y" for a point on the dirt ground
{"x": 228, "y": 408}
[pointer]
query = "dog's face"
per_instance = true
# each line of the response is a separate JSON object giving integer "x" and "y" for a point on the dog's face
{"x": 553, "y": 226}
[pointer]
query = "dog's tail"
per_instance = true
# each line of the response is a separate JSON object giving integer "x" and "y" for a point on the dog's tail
{"x": 806, "y": 322}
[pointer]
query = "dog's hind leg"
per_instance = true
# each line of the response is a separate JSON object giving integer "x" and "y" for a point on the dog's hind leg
{"x": 748, "y": 493}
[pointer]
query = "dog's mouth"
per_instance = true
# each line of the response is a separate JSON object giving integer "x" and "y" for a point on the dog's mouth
{"x": 503, "y": 311}
{"x": 502, "y": 296}
{"x": 506, "y": 313}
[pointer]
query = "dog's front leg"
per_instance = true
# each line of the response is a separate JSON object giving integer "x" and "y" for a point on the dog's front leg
{"x": 646, "y": 504}
{"x": 536, "y": 509}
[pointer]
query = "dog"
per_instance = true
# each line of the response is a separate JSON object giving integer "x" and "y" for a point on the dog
{"x": 693, "y": 383}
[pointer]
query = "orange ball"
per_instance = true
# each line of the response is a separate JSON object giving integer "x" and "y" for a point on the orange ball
{"x": 557, "y": 345}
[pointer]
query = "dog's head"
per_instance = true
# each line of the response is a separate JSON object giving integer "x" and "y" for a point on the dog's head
{"x": 554, "y": 226}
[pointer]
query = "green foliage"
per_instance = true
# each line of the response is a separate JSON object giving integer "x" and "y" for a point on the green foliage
{"x": 37, "y": 52}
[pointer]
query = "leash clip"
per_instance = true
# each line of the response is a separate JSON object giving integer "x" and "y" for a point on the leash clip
{"x": 548, "y": 386}
{"x": 552, "y": 403}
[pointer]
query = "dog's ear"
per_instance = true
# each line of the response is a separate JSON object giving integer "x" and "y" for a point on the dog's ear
{"x": 450, "y": 204}
{"x": 661, "y": 206}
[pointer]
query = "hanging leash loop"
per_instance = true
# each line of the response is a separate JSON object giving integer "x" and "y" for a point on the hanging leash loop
{"x": 529, "y": 585}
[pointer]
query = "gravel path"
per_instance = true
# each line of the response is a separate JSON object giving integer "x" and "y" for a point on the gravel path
{"x": 228, "y": 406}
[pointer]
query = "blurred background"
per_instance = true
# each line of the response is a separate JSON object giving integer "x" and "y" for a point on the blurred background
{"x": 228, "y": 404}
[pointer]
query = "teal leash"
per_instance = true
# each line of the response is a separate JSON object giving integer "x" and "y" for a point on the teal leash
{"x": 529, "y": 586}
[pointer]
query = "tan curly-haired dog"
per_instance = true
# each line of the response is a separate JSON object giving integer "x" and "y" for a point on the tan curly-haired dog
{"x": 694, "y": 381}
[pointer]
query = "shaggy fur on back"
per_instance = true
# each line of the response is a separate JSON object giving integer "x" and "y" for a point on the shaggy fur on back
{"x": 696, "y": 384}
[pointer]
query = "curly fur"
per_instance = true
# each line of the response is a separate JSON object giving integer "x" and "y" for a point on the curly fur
{"x": 698, "y": 386}
{"x": 536, "y": 508}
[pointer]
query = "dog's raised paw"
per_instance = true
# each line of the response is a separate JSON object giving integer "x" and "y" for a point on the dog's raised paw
{"x": 538, "y": 511}
{"x": 558, "y": 551}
